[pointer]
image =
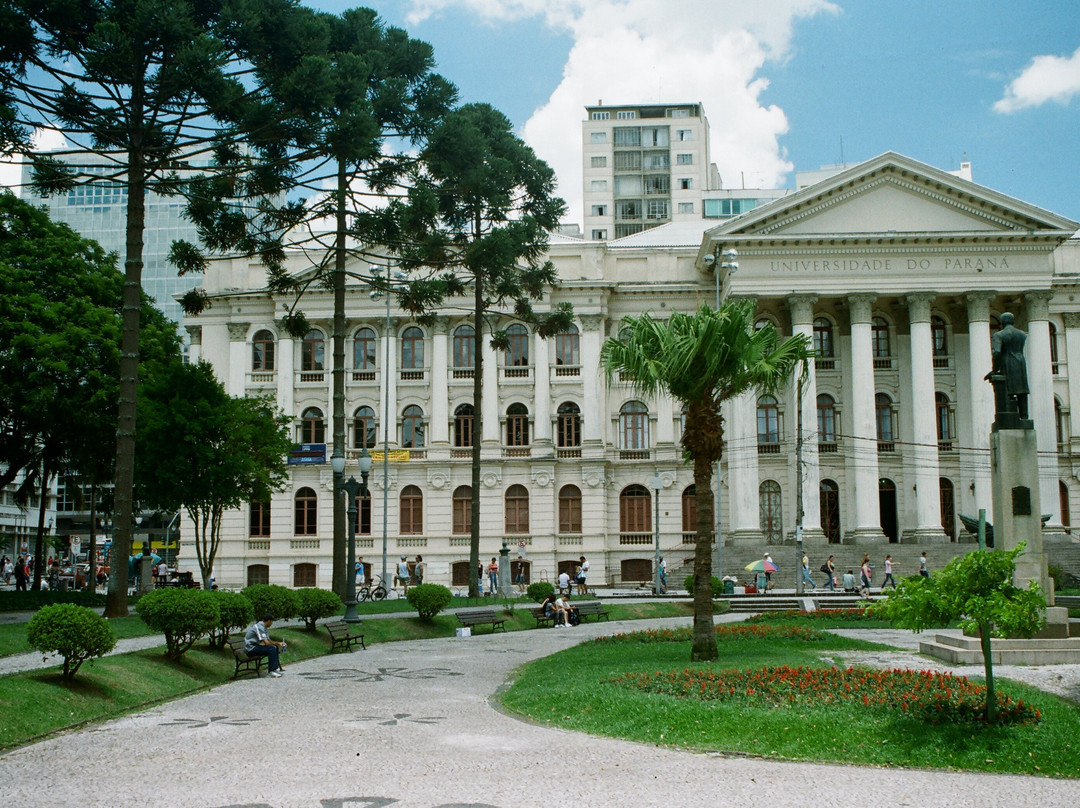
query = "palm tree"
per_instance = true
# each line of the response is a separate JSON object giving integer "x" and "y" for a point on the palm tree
{"x": 702, "y": 360}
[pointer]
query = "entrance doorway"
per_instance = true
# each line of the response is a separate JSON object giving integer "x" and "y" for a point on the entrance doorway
{"x": 887, "y": 509}
{"x": 830, "y": 510}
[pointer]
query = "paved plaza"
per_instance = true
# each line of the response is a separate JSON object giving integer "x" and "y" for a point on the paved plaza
{"x": 410, "y": 725}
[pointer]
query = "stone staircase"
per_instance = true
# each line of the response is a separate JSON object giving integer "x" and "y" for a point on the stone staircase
{"x": 961, "y": 650}
{"x": 784, "y": 601}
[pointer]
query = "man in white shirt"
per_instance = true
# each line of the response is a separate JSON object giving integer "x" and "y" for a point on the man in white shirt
{"x": 583, "y": 578}
{"x": 564, "y": 583}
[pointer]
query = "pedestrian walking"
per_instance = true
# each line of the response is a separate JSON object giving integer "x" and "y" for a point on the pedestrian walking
{"x": 493, "y": 575}
{"x": 807, "y": 578}
{"x": 829, "y": 568}
{"x": 888, "y": 574}
{"x": 923, "y": 570}
{"x": 419, "y": 569}
{"x": 403, "y": 574}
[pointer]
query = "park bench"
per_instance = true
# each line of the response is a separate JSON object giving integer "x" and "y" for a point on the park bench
{"x": 591, "y": 608}
{"x": 341, "y": 635}
{"x": 480, "y": 617}
{"x": 244, "y": 663}
{"x": 541, "y": 618}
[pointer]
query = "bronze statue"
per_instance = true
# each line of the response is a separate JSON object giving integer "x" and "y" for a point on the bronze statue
{"x": 1008, "y": 373}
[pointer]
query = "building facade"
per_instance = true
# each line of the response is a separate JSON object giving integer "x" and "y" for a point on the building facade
{"x": 897, "y": 271}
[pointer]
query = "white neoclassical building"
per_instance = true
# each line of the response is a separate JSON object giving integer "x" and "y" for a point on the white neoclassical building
{"x": 898, "y": 272}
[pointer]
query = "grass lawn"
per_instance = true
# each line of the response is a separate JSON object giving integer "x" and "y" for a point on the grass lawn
{"x": 572, "y": 689}
{"x": 13, "y": 635}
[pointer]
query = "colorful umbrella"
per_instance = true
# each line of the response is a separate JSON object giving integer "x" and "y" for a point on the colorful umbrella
{"x": 762, "y": 566}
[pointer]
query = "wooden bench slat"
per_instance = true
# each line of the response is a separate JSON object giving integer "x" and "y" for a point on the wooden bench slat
{"x": 244, "y": 662}
{"x": 479, "y": 617}
{"x": 341, "y": 635}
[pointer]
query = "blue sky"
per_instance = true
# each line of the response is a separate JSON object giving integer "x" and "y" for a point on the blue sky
{"x": 787, "y": 84}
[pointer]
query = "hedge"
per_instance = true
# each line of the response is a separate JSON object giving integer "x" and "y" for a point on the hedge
{"x": 182, "y": 615}
{"x": 315, "y": 604}
{"x": 429, "y": 599}
{"x": 280, "y": 601}
{"x": 74, "y": 632}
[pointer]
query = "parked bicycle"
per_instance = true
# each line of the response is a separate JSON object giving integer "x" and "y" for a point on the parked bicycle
{"x": 372, "y": 591}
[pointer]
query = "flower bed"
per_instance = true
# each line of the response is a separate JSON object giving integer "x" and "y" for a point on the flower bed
{"x": 729, "y": 631}
{"x": 840, "y": 615}
{"x": 932, "y": 697}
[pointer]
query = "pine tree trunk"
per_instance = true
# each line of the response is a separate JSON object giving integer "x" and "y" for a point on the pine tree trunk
{"x": 39, "y": 544}
{"x": 340, "y": 576}
{"x": 477, "y": 433}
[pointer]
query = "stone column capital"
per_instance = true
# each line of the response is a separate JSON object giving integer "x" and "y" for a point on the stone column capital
{"x": 238, "y": 331}
{"x": 859, "y": 307}
{"x": 1038, "y": 305}
{"x": 919, "y": 306}
{"x": 1071, "y": 319}
{"x": 802, "y": 309}
{"x": 194, "y": 334}
{"x": 441, "y": 326}
{"x": 393, "y": 323}
{"x": 978, "y": 306}
{"x": 592, "y": 322}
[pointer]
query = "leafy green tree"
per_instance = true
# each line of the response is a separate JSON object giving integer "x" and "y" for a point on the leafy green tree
{"x": 74, "y": 632}
{"x": 280, "y": 601}
{"x": 347, "y": 101}
{"x": 145, "y": 83}
{"x": 480, "y": 211}
{"x": 315, "y": 604}
{"x": 182, "y": 615}
{"x": 207, "y": 452}
{"x": 236, "y": 612}
{"x": 976, "y": 590}
{"x": 702, "y": 360}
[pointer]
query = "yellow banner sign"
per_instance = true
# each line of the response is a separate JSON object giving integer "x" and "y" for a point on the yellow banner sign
{"x": 396, "y": 456}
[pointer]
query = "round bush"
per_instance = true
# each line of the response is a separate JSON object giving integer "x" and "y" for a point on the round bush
{"x": 182, "y": 615}
{"x": 539, "y": 591}
{"x": 74, "y": 632}
{"x": 429, "y": 599}
{"x": 280, "y": 601}
{"x": 236, "y": 613}
{"x": 316, "y": 604}
{"x": 717, "y": 586}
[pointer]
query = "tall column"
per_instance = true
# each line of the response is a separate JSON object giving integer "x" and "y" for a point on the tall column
{"x": 237, "y": 355}
{"x": 1072, "y": 365}
{"x": 440, "y": 390}
{"x": 977, "y": 461}
{"x": 593, "y": 384}
{"x": 490, "y": 405}
{"x": 195, "y": 348}
{"x": 924, "y": 451}
{"x": 862, "y": 448}
{"x": 1041, "y": 401}
{"x": 541, "y": 395}
{"x": 741, "y": 435}
{"x": 388, "y": 382}
{"x": 802, "y": 322}
{"x": 285, "y": 360}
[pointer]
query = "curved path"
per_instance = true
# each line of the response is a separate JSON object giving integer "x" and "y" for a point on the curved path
{"x": 409, "y": 725}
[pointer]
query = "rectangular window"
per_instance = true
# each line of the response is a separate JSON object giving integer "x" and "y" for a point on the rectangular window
{"x": 684, "y": 159}
{"x": 627, "y": 136}
{"x": 684, "y": 134}
{"x": 686, "y": 184}
{"x": 600, "y": 116}
{"x": 657, "y": 161}
{"x": 658, "y": 209}
{"x": 624, "y": 230}
{"x": 598, "y": 137}
{"x": 681, "y": 112}
{"x": 655, "y": 136}
{"x": 599, "y": 210}
{"x": 628, "y": 209}
{"x": 628, "y": 161}
{"x": 598, "y": 185}
{"x": 599, "y": 235}
{"x": 626, "y": 115}
{"x": 569, "y": 514}
{"x": 658, "y": 184}
{"x": 629, "y": 185}
{"x": 686, "y": 207}
{"x": 462, "y": 516}
{"x": 598, "y": 162}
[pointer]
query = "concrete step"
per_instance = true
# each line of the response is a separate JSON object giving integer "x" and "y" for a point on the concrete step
{"x": 960, "y": 650}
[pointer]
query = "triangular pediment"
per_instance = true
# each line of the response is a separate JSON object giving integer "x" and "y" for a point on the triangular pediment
{"x": 889, "y": 196}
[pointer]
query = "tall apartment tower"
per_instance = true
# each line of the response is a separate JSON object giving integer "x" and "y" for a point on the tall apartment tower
{"x": 644, "y": 165}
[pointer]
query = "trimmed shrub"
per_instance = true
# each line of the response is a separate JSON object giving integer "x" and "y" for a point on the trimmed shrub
{"x": 717, "y": 586}
{"x": 236, "y": 613}
{"x": 182, "y": 615}
{"x": 315, "y": 604}
{"x": 539, "y": 591}
{"x": 74, "y": 632}
{"x": 280, "y": 601}
{"x": 429, "y": 599}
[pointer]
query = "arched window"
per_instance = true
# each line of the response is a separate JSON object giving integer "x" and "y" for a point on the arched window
{"x": 364, "y": 428}
{"x": 259, "y": 519}
{"x": 768, "y": 421}
{"x": 568, "y": 347}
{"x": 826, "y": 418}
{"x": 464, "y": 347}
{"x": 412, "y": 428}
{"x": 411, "y": 510}
{"x": 461, "y": 524}
{"x": 516, "y": 505}
{"x": 312, "y": 426}
{"x": 568, "y": 432}
{"x": 824, "y": 346}
{"x": 689, "y": 513}
{"x": 771, "y": 509}
{"x": 412, "y": 349}
{"x": 258, "y": 574}
{"x": 517, "y": 425}
{"x": 883, "y": 409}
{"x": 635, "y": 510}
{"x": 879, "y": 338}
{"x": 948, "y": 507}
{"x": 262, "y": 352}
{"x": 634, "y": 426}
{"x": 364, "y": 350}
{"x": 312, "y": 352}
{"x": 464, "y": 416}
{"x": 305, "y": 513}
{"x": 943, "y": 416}
{"x": 830, "y": 510}
{"x": 939, "y": 336}
{"x": 569, "y": 509}
{"x": 304, "y": 575}
{"x": 362, "y": 522}
{"x": 517, "y": 349}
{"x": 1054, "y": 358}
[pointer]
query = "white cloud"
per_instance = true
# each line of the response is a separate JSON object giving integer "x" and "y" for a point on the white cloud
{"x": 644, "y": 51}
{"x": 1047, "y": 78}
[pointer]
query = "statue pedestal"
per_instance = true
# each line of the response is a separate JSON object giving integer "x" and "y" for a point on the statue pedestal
{"x": 1014, "y": 476}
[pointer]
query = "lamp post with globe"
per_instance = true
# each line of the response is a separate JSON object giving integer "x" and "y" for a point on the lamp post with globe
{"x": 352, "y": 489}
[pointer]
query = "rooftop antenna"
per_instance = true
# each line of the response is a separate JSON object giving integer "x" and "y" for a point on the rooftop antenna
{"x": 842, "y": 151}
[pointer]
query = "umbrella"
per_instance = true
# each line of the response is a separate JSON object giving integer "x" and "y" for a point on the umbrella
{"x": 762, "y": 566}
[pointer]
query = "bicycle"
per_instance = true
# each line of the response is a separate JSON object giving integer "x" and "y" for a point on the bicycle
{"x": 372, "y": 591}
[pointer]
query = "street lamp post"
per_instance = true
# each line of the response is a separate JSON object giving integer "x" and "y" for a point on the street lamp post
{"x": 352, "y": 489}
{"x": 656, "y": 484}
